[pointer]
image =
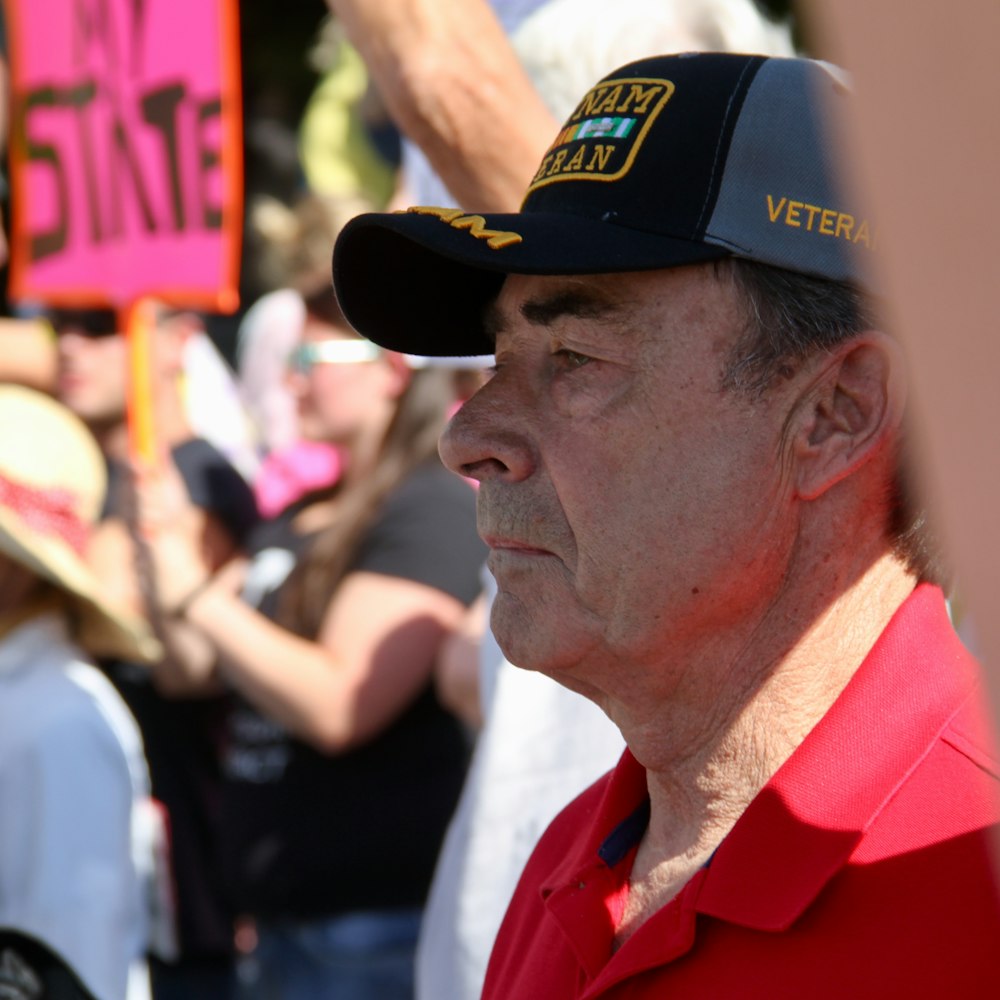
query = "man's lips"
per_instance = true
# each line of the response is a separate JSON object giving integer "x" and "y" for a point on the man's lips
{"x": 514, "y": 546}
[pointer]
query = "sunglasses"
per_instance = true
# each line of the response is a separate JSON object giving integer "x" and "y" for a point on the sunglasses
{"x": 332, "y": 352}
{"x": 92, "y": 323}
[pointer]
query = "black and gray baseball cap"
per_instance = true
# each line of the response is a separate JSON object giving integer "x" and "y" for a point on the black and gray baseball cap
{"x": 668, "y": 161}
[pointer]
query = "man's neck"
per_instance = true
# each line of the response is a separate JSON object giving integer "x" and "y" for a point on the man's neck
{"x": 701, "y": 783}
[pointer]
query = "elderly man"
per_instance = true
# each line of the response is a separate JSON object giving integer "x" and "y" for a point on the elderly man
{"x": 692, "y": 483}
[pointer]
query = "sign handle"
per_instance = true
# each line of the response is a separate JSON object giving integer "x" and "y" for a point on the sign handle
{"x": 139, "y": 321}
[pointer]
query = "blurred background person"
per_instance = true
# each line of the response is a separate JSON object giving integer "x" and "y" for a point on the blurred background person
{"x": 290, "y": 465}
{"x": 341, "y": 766}
{"x": 181, "y": 727}
{"x": 292, "y": 259}
{"x": 78, "y": 834}
{"x": 195, "y": 392}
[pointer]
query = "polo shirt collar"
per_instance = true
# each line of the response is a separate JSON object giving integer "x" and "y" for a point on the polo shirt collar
{"x": 802, "y": 827}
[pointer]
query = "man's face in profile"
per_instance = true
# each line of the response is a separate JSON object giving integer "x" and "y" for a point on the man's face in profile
{"x": 631, "y": 505}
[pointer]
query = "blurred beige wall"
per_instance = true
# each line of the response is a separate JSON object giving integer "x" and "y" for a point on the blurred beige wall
{"x": 926, "y": 143}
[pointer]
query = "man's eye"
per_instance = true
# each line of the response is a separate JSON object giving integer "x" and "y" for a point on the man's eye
{"x": 573, "y": 359}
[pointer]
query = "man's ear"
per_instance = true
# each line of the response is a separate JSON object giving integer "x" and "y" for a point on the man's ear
{"x": 851, "y": 412}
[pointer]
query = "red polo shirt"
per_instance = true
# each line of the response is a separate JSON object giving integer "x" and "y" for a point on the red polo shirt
{"x": 862, "y": 869}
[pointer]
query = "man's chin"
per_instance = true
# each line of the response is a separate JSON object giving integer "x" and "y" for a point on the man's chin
{"x": 534, "y": 647}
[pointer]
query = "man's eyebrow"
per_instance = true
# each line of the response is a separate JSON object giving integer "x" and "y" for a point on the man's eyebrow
{"x": 573, "y": 302}
{"x": 546, "y": 309}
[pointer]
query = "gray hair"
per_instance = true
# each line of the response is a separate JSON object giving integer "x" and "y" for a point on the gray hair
{"x": 791, "y": 317}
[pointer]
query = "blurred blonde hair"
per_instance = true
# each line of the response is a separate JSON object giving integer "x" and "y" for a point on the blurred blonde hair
{"x": 294, "y": 242}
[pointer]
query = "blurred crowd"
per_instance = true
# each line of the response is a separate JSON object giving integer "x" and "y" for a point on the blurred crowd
{"x": 256, "y": 741}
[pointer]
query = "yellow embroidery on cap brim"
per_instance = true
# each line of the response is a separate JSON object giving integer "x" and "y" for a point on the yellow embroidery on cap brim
{"x": 496, "y": 239}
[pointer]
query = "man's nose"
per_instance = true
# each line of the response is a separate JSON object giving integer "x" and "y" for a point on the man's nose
{"x": 487, "y": 439}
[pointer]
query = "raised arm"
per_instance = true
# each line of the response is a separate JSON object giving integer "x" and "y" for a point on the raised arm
{"x": 374, "y": 653}
{"x": 444, "y": 68}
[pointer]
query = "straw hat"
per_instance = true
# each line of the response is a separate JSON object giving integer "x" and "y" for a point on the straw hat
{"x": 52, "y": 483}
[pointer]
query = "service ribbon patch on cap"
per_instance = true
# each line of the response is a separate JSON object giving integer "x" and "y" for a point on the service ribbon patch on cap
{"x": 602, "y": 137}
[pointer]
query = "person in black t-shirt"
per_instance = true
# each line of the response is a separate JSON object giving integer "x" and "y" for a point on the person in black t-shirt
{"x": 341, "y": 767}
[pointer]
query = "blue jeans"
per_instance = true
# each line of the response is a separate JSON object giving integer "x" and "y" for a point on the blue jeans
{"x": 364, "y": 955}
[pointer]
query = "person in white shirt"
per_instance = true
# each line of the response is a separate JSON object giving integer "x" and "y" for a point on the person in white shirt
{"x": 77, "y": 826}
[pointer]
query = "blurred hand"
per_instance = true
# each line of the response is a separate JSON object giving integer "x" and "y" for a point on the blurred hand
{"x": 171, "y": 561}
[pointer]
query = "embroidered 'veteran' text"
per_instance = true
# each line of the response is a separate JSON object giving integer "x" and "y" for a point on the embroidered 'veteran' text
{"x": 825, "y": 221}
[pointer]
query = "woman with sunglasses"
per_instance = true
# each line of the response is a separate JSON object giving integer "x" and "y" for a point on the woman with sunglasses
{"x": 342, "y": 769}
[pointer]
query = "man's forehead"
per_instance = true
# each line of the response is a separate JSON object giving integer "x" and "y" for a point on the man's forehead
{"x": 617, "y": 300}
{"x": 541, "y": 300}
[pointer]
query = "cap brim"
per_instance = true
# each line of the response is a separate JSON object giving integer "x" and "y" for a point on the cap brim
{"x": 415, "y": 283}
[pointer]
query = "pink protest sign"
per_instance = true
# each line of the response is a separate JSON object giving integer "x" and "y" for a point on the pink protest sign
{"x": 126, "y": 151}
